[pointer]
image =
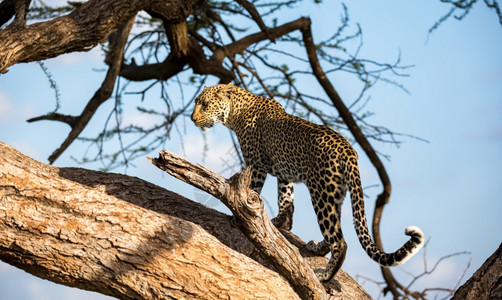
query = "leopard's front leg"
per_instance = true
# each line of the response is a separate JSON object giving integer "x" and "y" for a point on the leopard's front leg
{"x": 284, "y": 219}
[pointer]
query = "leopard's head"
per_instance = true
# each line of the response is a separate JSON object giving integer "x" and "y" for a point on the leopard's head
{"x": 212, "y": 106}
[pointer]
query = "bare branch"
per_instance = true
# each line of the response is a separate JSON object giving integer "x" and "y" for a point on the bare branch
{"x": 434, "y": 267}
{"x": 251, "y": 9}
{"x": 102, "y": 94}
{"x": 461, "y": 8}
{"x": 242, "y": 44}
{"x": 70, "y": 120}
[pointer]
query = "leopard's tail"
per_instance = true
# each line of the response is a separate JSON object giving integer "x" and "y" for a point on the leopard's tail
{"x": 410, "y": 248}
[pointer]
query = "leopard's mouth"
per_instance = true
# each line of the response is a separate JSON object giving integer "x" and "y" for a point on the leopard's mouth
{"x": 206, "y": 126}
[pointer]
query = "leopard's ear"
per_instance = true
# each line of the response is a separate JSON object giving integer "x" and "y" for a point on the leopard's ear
{"x": 225, "y": 92}
{"x": 228, "y": 88}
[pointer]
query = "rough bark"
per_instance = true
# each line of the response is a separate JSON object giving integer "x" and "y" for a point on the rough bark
{"x": 124, "y": 237}
{"x": 486, "y": 283}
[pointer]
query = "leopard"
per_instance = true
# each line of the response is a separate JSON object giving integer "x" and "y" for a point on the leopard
{"x": 295, "y": 150}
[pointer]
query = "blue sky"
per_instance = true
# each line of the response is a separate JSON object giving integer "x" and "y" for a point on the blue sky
{"x": 450, "y": 186}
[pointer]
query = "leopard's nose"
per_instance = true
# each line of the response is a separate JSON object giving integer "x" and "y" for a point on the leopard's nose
{"x": 193, "y": 115}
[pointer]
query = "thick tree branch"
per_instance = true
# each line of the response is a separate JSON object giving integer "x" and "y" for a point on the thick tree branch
{"x": 177, "y": 36}
{"x": 160, "y": 71}
{"x": 20, "y": 8}
{"x": 127, "y": 238}
{"x": 81, "y": 30}
{"x": 184, "y": 50}
{"x": 73, "y": 234}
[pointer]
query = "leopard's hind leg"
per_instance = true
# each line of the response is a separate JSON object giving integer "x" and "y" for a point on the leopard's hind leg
{"x": 327, "y": 195}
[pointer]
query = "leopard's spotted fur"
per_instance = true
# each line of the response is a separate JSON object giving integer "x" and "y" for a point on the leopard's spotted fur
{"x": 275, "y": 142}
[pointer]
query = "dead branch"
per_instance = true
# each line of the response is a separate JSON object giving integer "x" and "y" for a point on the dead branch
{"x": 255, "y": 15}
{"x": 248, "y": 208}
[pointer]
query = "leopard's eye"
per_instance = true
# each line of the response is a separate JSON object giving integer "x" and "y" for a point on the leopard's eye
{"x": 204, "y": 104}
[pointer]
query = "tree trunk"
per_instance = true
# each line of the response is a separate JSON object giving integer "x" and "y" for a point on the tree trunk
{"x": 486, "y": 283}
{"x": 127, "y": 238}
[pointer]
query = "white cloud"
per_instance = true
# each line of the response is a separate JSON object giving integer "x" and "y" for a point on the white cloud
{"x": 69, "y": 59}
{"x": 140, "y": 119}
{"x": 56, "y": 2}
{"x": 7, "y": 110}
{"x": 28, "y": 149}
{"x": 10, "y": 112}
{"x": 4, "y": 268}
{"x": 220, "y": 153}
